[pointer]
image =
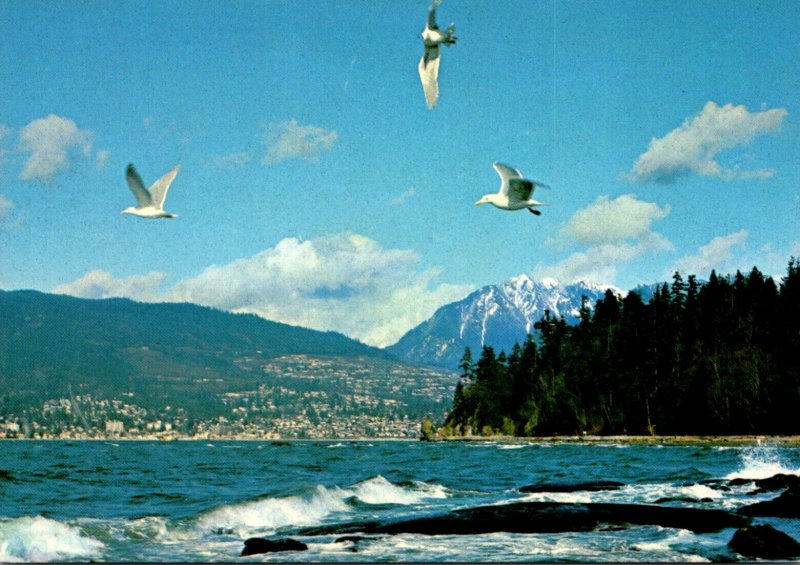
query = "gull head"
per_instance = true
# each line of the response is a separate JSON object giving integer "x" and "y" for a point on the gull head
{"x": 485, "y": 200}
{"x": 129, "y": 210}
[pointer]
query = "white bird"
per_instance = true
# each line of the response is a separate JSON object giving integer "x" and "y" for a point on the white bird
{"x": 151, "y": 202}
{"x": 432, "y": 38}
{"x": 515, "y": 191}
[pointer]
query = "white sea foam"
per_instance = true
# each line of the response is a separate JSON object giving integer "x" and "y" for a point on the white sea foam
{"x": 377, "y": 490}
{"x": 40, "y": 539}
{"x": 761, "y": 462}
{"x": 270, "y": 514}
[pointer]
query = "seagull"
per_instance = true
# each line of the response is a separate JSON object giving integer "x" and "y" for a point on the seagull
{"x": 515, "y": 191}
{"x": 151, "y": 202}
{"x": 428, "y": 67}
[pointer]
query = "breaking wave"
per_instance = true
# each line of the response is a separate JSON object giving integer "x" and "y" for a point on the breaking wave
{"x": 39, "y": 539}
{"x": 270, "y": 514}
{"x": 761, "y": 462}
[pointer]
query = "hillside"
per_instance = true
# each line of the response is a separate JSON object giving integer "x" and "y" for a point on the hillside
{"x": 84, "y": 357}
{"x": 496, "y": 315}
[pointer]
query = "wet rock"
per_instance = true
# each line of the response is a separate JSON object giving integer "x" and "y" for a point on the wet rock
{"x": 773, "y": 483}
{"x": 681, "y": 499}
{"x": 591, "y": 486}
{"x": 254, "y": 546}
{"x": 765, "y": 542}
{"x": 787, "y": 505}
{"x": 777, "y": 482}
{"x": 546, "y": 517}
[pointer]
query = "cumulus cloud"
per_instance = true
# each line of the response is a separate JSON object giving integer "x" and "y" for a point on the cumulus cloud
{"x": 101, "y": 284}
{"x": 611, "y": 232}
{"x": 716, "y": 254}
{"x": 598, "y": 263}
{"x": 289, "y": 139}
{"x": 52, "y": 142}
{"x": 693, "y": 147}
{"x": 345, "y": 282}
{"x": 612, "y": 220}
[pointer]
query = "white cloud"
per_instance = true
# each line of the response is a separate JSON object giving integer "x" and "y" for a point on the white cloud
{"x": 5, "y": 208}
{"x": 52, "y": 142}
{"x": 599, "y": 263}
{"x": 611, "y": 232}
{"x": 289, "y": 139}
{"x": 411, "y": 192}
{"x": 344, "y": 282}
{"x": 101, "y": 284}
{"x": 612, "y": 220}
{"x": 716, "y": 254}
{"x": 693, "y": 147}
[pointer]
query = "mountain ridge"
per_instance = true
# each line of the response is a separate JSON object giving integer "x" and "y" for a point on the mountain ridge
{"x": 497, "y": 315}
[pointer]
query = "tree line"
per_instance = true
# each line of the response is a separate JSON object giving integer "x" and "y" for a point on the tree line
{"x": 719, "y": 358}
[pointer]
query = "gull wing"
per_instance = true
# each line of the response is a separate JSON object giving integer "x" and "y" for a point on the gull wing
{"x": 161, "y": 186}
{"x": 137, "y": 186}
{"x": 520, "y": 189}
{"x": 506, "y": 174}
{"x": 429, "y": 75}
{"x": 432, "y": 14}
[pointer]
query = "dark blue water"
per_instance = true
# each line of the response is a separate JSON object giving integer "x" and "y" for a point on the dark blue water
{"x": 197, "y": 501}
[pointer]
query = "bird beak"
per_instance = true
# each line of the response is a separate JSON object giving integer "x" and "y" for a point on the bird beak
{"x": 478, "y": 203}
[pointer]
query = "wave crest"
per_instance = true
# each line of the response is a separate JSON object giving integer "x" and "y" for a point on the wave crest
{"x": 40, "y": 539}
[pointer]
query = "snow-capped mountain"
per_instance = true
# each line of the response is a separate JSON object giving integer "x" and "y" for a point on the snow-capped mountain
{"x": 495, "y": 315}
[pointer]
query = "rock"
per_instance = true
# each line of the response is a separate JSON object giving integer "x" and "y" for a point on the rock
{"x": 254, "y": 546}
{"x": 545, "y": 517}
{"x": 776, "y": 482}
{"x": 787, "y": 505}
{"x": 591, "y": 486}
{"x": 681, "y": 499}
{"x": 764, "y": 541}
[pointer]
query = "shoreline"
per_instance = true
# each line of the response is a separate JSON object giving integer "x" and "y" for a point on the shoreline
{"x": 735, "y": 440}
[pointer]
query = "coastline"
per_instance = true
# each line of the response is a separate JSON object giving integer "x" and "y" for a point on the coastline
{"x": 736, "y": 440}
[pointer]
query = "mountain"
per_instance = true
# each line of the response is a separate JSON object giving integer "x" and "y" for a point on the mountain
{"x": 49, "y": 342}
{"x": 495, "y": 315}
{"x": 72, "y": 365}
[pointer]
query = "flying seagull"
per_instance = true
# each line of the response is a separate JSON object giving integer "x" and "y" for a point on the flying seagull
{"x": 515, "y": 191}
{"x": 151, "y": 202}
{"x": 428, "y": 67}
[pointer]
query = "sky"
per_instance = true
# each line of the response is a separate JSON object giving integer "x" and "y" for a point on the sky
{"x": 316, "y": 188}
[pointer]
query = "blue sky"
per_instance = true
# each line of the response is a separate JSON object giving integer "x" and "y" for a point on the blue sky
{"x": 316, "y": 188}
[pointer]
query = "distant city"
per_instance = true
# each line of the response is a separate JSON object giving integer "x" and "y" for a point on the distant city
{"x": 301, "y": 397}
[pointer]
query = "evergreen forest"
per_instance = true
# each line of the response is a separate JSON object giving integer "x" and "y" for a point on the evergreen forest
{"x": 718, "y": 358}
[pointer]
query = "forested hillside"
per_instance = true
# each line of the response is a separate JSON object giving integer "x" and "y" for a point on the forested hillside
{"x": 717, "y": 358}
{"x": 53, "y": 346}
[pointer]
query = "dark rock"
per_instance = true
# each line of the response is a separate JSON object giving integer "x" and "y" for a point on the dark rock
{"x": 680, "y": 499}
{"x": 787, "y": 505}
{"x": 254, "y": 546}
{"x": 776, "y": 482}
{"x": 773, "y": 483}
{"x": 546, "y": 517}
{"x": 590, "y": 486}
{"x": 764, "y": 541}
{"x": 345, "y": 539}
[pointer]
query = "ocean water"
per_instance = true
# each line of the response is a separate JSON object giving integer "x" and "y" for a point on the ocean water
{"x": 198, "y": 501}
